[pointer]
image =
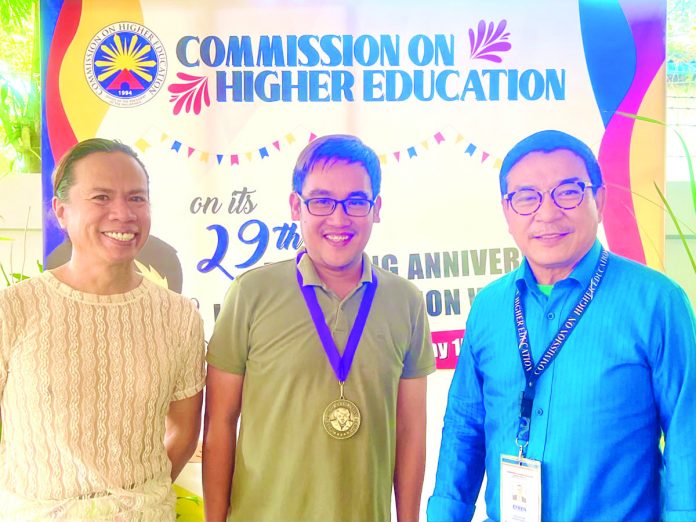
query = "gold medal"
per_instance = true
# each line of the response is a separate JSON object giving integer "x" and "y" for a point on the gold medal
{"x": 341, "y": 418}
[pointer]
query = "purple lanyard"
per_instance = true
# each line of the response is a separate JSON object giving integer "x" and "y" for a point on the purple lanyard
{"x": 341, "y": 365}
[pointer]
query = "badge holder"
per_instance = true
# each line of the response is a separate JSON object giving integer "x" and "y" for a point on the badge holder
{"x": 520, "y": 489}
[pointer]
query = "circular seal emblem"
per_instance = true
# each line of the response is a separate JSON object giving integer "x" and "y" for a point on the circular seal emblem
{"x": 341, "y": 419}
{"x": 125, "y": 64}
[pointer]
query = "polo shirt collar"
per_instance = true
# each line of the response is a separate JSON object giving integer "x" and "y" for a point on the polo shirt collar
{"x": 311, "y": 278}
{"x": 582, "y": 273}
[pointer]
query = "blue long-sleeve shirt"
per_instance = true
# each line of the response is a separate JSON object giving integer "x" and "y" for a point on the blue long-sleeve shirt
{"x": 627, "y": 372}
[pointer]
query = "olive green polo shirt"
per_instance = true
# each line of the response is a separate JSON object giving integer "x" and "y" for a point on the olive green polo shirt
{"x": 287, "y": 467}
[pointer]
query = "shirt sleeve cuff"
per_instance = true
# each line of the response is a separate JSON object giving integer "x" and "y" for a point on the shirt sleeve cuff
{"x": 679, "y": 516}
{"x": 442, "y": 509}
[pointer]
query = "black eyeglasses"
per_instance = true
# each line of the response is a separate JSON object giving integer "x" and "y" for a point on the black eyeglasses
{"x": 567, "y": 196}
{"x": 355, "y": 207}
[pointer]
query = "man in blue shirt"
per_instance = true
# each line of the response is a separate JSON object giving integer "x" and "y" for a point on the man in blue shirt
{"x": 571, "y": 367}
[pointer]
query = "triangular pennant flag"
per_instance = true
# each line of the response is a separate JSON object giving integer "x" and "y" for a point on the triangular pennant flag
{"x": 248, "y": 155}
{"x": 164, "y": 136}
{"x": 498, "y": 163}
{"x": 382, "y": 158}
{"x": 204, "y": 157}
{"x": 263, "y": 152}
{"x": 439, "y": 138}
{"x": 142, "y": 144}
{"x": 312, "y": 136}
{"x": 470, "y": 149}
{"x": 412, "y": 152}
{"x": 191, "y": 150}
{"x": 176, "y": 145}
{"x": 234, "y": 159}
{"x": 290, "y": 138}
{"x": 397, "y": 154}
{"x": 459, "y": 138}
{"x": 276, "y": 144}
{"x": 484, "y": 156}
{"x": 425, "y": 144}
{"x": 219, "y": 158}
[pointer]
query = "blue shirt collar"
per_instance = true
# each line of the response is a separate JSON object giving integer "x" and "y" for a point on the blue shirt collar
{"x": 581, "y": 274}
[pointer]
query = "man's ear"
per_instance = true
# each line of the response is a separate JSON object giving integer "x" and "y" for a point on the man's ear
{"x": 58, "y": 209}
{"x": 376, "y": 209}
{"x": 295, "y": 206}
{"x": 600, "y": 200}
{"x": 507, "y": 211}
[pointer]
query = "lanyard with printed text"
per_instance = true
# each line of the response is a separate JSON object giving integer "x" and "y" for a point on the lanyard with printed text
{"x": 532, "y": 372}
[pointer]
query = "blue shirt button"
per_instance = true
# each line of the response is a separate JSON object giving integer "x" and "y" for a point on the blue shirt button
{"x": 540, "y": 412}
{"x": 550, "y": 315}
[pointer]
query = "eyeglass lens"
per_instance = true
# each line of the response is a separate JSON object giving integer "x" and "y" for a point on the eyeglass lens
{"x": 565, "y": 196}
{"x": 356, "y": 207}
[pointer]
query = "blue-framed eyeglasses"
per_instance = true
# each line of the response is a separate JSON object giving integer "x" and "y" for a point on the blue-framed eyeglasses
{"x": 355, "y": 207}
{"x": 567, "y": 195}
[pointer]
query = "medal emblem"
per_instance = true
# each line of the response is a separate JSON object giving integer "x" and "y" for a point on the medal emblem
{"x": 341, "y": 419}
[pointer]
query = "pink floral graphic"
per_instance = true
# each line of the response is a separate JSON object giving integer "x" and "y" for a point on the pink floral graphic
{"x": 488, "y": 42}
{"x": 192, "y": 93}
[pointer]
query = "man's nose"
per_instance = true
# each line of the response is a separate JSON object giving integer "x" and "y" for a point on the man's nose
{"x": 121, "y": 210}
{"x": 548, "y": 210}
{"x": 339, "y": 216}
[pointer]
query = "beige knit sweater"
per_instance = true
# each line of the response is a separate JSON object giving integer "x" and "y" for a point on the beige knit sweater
{"x": 85, "y": 385}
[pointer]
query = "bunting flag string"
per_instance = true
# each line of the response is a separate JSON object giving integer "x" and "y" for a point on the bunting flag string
{"x": 275, "y": 146}
{"x": 142, "y": 145}
{"x": 412, "y": 151}
{"x": 416, "y": 150}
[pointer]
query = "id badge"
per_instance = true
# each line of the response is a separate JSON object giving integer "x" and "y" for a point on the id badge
{"x": 520, "y": 489}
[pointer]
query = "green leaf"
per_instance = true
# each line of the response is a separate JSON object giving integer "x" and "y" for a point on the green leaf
{"x": 193, "y": 498}
{"x": 676, "y": 225}
{"x": 2, "y": 269}
{"x": 685, "y": 148}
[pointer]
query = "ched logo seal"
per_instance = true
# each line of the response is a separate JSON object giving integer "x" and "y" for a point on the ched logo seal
{"x": 125, "y": 64}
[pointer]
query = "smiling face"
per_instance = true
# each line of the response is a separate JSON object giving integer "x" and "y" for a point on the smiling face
{"x": 335, "y": 243}
{"x": 107, "y": 212}
{"x": 553, "y": 240}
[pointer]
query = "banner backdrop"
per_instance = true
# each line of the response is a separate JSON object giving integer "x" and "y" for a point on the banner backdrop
{"x": 219, "y": 98}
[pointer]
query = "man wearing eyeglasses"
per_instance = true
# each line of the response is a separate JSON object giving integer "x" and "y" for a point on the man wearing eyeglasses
{"x": 571, "y": 367}
{"x": 325, "y": 356}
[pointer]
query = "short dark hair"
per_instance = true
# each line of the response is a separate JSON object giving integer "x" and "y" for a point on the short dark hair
{"x": 549, "y": 141}
{"x": 334, "y": 148}
{"x": 63, "y": 178}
